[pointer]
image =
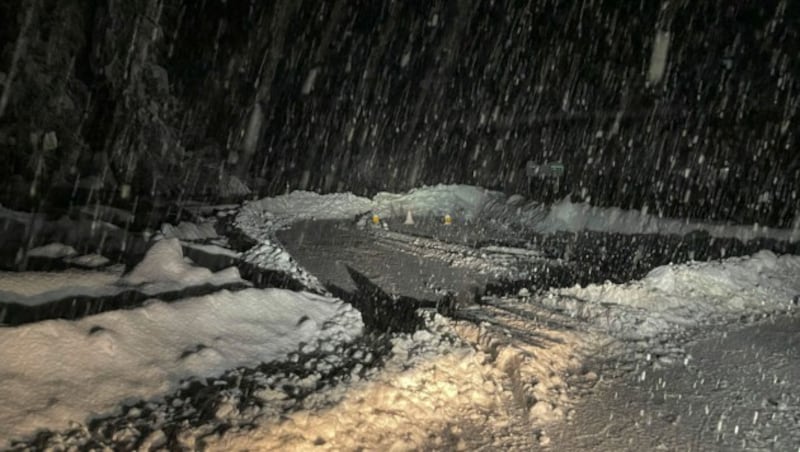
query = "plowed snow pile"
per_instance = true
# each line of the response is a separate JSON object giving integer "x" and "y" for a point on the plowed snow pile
{"x": 678, "y": 296}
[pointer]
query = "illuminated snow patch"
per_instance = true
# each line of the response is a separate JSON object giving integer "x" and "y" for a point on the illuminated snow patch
{"x": 437, "y": 384}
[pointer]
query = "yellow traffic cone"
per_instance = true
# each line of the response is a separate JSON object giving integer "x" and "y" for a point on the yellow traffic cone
{"x": 376, "y": 220}
{"x": 448, "y": 220}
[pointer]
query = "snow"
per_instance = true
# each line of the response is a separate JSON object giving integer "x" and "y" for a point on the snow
{"x": 471, "y": 203}
{"x": 88, "y": 261}
{"x": 439, "y": 382}
{"x": 59, "y": 371}
{"x": 19, "y": 217}
{"x": 162, "y": 269}
{"x": 53, "y": 251}
{"x": 212, "y": 249}
{"x": 687, "y": 295}
{"x": 443, "y": 377}
{"x": 261, "y": 219}
{"x": 658, "y": 59}
{"x": 16, "y": 285}
{"x": 270, "y": 256}
{"x": 736, "y": 390}
{"x": 112, "y": 214}
{"x": 305, "y": 205}
{"x": 164, "y": 263}
{"x": 231, "y": 186}
{"x": 574, "y": 217}
{"x": 190, "y": 231}
{"x": 461, "y": 201}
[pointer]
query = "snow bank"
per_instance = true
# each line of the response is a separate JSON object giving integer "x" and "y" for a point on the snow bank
{"x": 53, "y": 251}
{"x": 305, "y": 205}
{"x": 475, "y": 203}
{"x": 462, "y": 201}
{"x": 15, "y": 285}
{"x": 162, "y": 269}
{"x": 190, "y": 231}
{"x": 575, "y": 217}
{"x": 687, "y": 295}
{"x": 55, "y": 372}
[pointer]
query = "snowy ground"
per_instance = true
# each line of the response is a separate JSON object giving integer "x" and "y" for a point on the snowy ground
{"x": 519, "y": 367}
{"x": 736, "y": 391}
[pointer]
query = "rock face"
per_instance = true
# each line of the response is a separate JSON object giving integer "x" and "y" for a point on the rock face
{"x": 687, "y": 107}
